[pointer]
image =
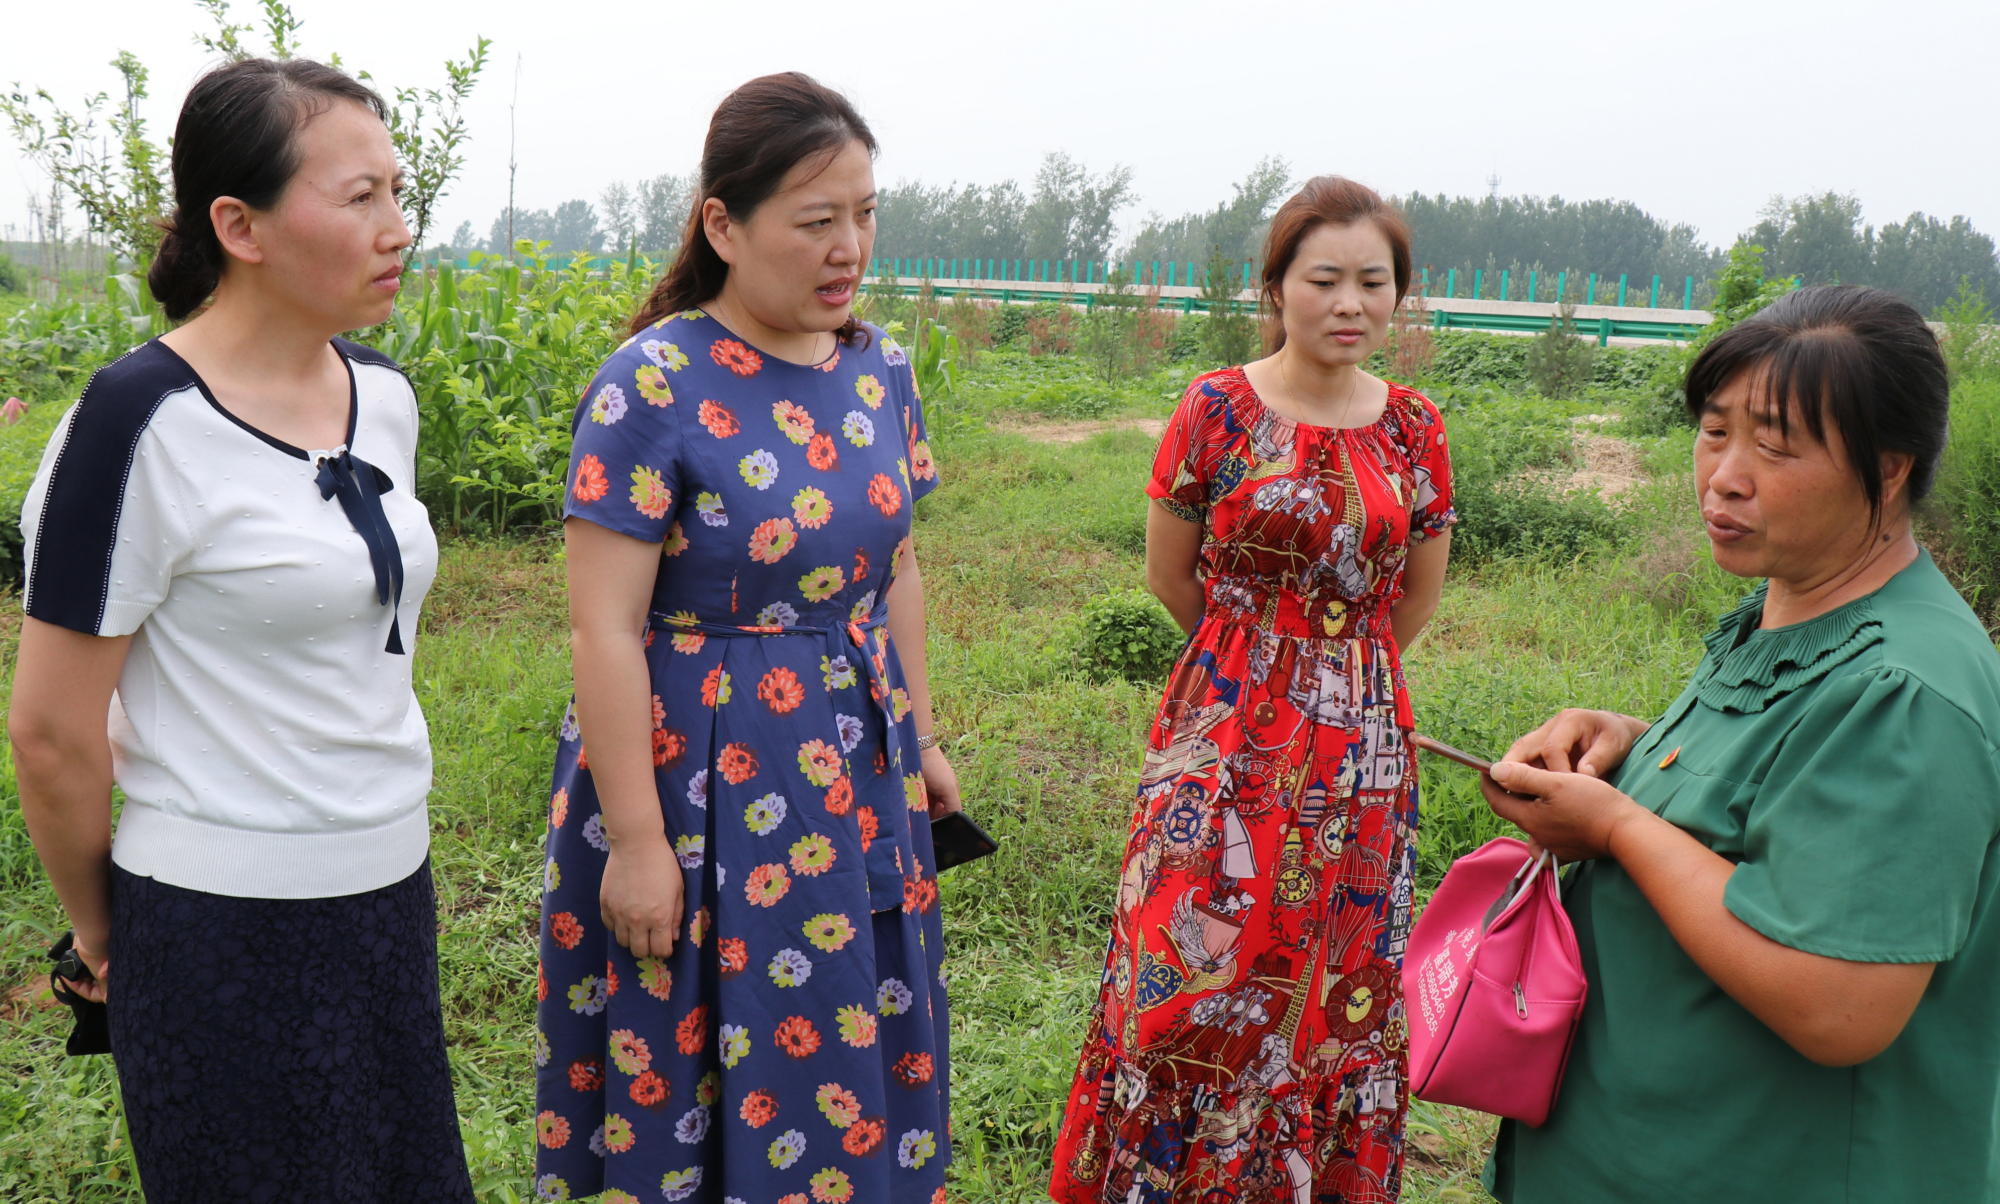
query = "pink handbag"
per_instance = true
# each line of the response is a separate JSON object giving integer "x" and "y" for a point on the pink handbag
{"x": 1493, "y": 986}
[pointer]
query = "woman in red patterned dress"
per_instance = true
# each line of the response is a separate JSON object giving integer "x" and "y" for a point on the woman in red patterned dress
{"x": 1248, "y": 1042}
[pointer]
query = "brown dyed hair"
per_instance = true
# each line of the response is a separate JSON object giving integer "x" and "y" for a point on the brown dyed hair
{"x": 1325, "y": 201}
{"x": 759, "y": 133}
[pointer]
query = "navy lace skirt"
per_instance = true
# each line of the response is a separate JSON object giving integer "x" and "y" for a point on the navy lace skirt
{"x": 283, "y": 1049}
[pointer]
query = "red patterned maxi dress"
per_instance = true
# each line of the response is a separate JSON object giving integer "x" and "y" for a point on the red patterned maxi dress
{"x": 1248, "y": 1042}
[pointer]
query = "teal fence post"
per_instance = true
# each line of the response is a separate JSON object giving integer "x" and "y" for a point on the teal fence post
{"x": 1503, "y": 284}
{"x": 1656, "y": 293}
{"x": 1156, "y": 273}
{"x": 1592, "y": 298}
{"x": 1603, "y": 332}
{"x": 1451, "y": 283}
{"x": 1687, "y": 295}
{"x": 1478, "y": 282}
{"x": 1425, "y": 283}
{"x": 1562, "y": 283}
{"x": 1621, "y": 288}
{"x": 1531, "y": 285}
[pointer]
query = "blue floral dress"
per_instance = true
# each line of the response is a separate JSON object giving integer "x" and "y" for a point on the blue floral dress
{"x": 791, "y": 1049}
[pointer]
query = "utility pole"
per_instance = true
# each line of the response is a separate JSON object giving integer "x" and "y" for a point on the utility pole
{"x": 511, "y": 164}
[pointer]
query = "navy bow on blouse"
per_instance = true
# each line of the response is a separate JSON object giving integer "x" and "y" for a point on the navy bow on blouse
{"x": 360, "y": 486}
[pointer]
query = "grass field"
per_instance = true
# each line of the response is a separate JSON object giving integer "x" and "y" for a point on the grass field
{"x": 1021, "y": 533}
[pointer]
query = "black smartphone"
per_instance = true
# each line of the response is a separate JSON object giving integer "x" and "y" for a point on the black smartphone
{"x": 955, "y": 840}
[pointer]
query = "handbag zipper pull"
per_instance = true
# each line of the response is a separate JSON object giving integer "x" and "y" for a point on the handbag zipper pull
{"x": 1520, "y": 1001}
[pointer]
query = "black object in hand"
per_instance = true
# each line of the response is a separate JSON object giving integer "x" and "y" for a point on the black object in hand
{"x": 92, "y": 1034}
{"x": 955, "y": 840}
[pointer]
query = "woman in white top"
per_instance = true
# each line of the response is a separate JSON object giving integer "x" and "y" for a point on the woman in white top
{"x": 225, "y": 554}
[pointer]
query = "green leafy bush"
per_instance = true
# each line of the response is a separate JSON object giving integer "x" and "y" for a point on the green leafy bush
{"x": 1503, "y": 453}
{"x": 1128, "y": 634}
{"x": 1965, "y": 509}
{"x": 1561, "y": 362}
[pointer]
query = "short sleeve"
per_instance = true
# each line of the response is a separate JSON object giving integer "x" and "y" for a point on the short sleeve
{"x": 100, "y": 560}
{"x": 625, "y": 460}
{"x": 1185, "y": 463}
{"x": 922, "y": 467}
{"x": 1430, "y": 462}
{"x": 1870, "y": 834}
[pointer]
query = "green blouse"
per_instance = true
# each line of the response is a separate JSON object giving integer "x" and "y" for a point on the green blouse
{"x": 1848, "y": 766}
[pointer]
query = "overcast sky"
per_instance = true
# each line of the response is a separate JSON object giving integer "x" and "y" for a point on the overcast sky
{"x": 1698, "y": 110}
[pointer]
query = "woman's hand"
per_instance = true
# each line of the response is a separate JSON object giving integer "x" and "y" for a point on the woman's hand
{"x": 940, "y": 783}
{"x": 1586, "y": 742}
{"x": 98, "y": 963}
{"x": 641, "y": 895}
{"x": 1572, "y": 815}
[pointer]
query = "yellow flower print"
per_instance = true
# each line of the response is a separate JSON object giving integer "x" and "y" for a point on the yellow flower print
{"x": 829, "y": 932}
{"x": 650, "y": 494}
{"x": 822, "y": 583}
{"x": 913, "y": 792}
{"x": 676, "y": 543}
{"x": 812, "y": 855}
{"x": 870, "y": 391}
{"x": 653, "y": 386}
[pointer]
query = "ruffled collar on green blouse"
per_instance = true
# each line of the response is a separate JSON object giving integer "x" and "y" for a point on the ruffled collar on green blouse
{"x": 1749, "y": 668}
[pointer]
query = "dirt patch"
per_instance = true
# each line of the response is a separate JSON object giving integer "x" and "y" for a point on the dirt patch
{"x": 1604, "y": 466}
{"x": 29, "y": 997}
{"x": 1049, "y": 431}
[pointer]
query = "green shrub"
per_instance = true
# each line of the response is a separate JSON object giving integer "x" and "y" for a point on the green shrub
{"x": 1965, "y": 509}
{"x": 1560, "y": 362}
{"x": 12, "y": 278}
{"x": 1503, "y": 452}
{"x": 1129, "y": 634}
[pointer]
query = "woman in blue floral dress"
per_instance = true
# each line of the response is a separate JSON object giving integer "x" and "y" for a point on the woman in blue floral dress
{"x": 741, "y": 994}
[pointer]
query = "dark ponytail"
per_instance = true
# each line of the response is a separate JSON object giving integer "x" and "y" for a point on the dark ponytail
{"x": 758, "y": 134}
{"x": 237, "y": 137}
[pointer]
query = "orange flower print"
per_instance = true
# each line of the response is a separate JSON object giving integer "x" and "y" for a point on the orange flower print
{"x": 909, "y": 895}
{"x": 629, "y": 1051}
{"x": 564, "y": 928}
{"x": 738, "y": 763}
{"x": 649, "y": 1090}
{"x": 870, "y": 391}
{"x": 811, "y": 508}
{"x": 772, "y": 539}
{"x": 692, "y": 1032}
{"x": 780, "y": 690}
{"x": 797, "y": 1037}
{"x": 820, "y": 762}
{"x": 586, "y": 1074}
{"x": 921, "y": 463}
{"x": 734, "y": 954}
{"x": 552, "y": 1130}
{"x": 821, "y": 453}
{"x": 839, "y": 797}
{"x": 650, "y": 495}
{"x": 759, "y": 1107}
{"x": 591, "y": 483}
{"x": 862, "y": 1137}
{"x": 767, "y": 884}
{"x": 912, "y": 1069}
{"x": 715, "y": 688}
{"x": 869, "y": 826}
{"x": 558, "y": 808}
{"x": 857, "y": 1025}
{"x": 927, "y": 893}
{"x": 730, "y": 354}
{"x": 861, "y": 564}
{"x": 718, "y": 418}
{"x": 832, "y": 361}
{"x": 610, "y": 980}
{"x": 676, "y": 542}
{"x": 655, "y": 978}
{"x": 794, "y": 421}
{"x": 541, "y": 983}
{"x": 885, "y": 494}
{"x": 668, "y": 747}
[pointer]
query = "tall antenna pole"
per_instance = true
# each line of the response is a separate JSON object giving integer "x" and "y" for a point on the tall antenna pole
{"x": 511, "y": 164}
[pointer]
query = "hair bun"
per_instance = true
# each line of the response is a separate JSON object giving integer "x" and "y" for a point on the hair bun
{"x": 184, "y": 274}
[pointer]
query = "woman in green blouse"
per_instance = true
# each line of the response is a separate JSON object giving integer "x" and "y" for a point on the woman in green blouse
{"x": 1786, "y": 903}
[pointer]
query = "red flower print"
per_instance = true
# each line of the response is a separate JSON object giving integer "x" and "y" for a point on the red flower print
{"x": 715, "y": 688}
{"x": 766, "y": 885}
{"x": 927, "y": 894}
{"x": 797, "y": 1037}
{"x": 863, "y": 1137}
{"x": 772, "y": 539}
{"x": 758, "y": 1109}
{"x": 582, "y": 761}
{"x": 730, "y": 354}
{"x": 718, "y": 418}
{"x": 909, "y": 895}
{"x": 922, "y": 466}
{"x": 586, "y": 1074}
{"x": 649, "y": 1090}
{"x": 738, "y": 763}
{"x": 912, "y": 1069}
{"x": 668, "y": 747}
{"x": 821, "y": 453}
{"x": 780, "y": 690}
{"x": 833, "y": 362}
{"x": 839, "y": 797}
{"x": 558, "y": 808}
{"x": 552, "y": 1130}
{"x": 564, "y": 928}
{"x": 591, "y": 483}
{"x": 869, "y": 826}
{"x": 860, "y": 564}
{"x": 541, "y": 983}
{"x": 885, "y": 495}
{"x": 734, "y": 954}
{"x": 610, "y": 980}
{"x": 692, "y": 1032}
